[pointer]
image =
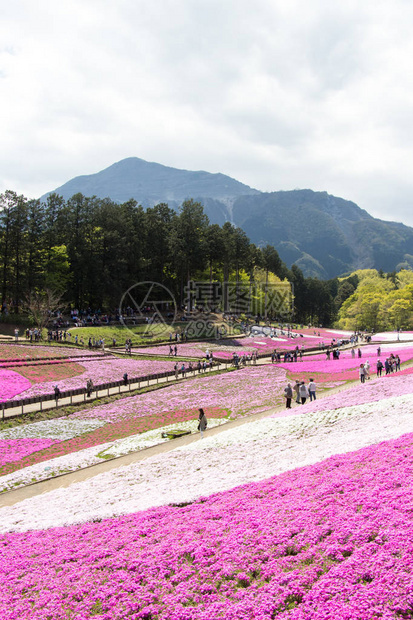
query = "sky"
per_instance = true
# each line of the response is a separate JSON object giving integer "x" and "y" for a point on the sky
{"x": 278, "y": 94}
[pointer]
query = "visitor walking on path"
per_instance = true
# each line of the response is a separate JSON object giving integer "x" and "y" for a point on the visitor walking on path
{"x": 303, "y": 392}
{"x": 89, "y": 387}
{"x": 202, "y": 422}
{"x": 362, "y": 373}
{"x": 288, "y": 393}
{"x": 311, "y": 390}
{"x": 297, "y": 391}
{"x": 56, "y": 393}
{"x": 379, "y": 367}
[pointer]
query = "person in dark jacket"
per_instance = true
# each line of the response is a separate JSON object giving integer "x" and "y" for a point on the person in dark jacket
{"x": 288, "y": 393}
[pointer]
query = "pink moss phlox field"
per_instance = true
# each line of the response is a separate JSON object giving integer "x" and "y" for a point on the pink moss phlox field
{"x": 103, "y": 370}
{"x": 13, "y": 351}
{"x": 240, "y": 392}
{"x": 393, "y": 336}
{"x": 371, "y": 391}
{"x": 15, "y": 449}
{"x": 11, "y": 384}
{"x": 320, "y": 364}
{"x": 324, "y": 542}
{"x": 45, "y": 361}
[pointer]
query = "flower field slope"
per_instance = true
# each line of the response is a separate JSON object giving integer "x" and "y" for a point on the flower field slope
{"x": 253, "y": 451}
{"x": 301, "y": 515}
{"x": 15, "y": 449}
{"x": 26, "y": 352}
{"x": 103, "y": 370}
{"x": 244, "y": 392}
{"x": 331, "y": 540}
{"x": 11, "y": 384}
{"x": 249, "y": 390}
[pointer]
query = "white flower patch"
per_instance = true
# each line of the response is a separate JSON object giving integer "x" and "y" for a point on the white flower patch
{"x": 60, "y": 428}
{"x": 95, "y": 454}
{"x": 302, "y": 423}
{"x": 148, "y": 439}
{"x": 251, "y": 452}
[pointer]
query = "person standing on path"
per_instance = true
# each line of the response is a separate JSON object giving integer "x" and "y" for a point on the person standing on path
{"x": 297, "y": 391}
{"x": 202, "y": 422}
{"x": 379, "y": 367}
{"x": 89, "y": 387}
{"x": 288, "y": 393}
{"x": 311, "y": 390}
{"x": 303, "y": 391}
{"x": 362, "y": 373}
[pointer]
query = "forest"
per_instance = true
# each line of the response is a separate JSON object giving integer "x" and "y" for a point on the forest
{"x": 89, "y": 251}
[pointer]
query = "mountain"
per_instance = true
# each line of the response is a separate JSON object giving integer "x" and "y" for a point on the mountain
{"x": 152, "y": 183}
{"x": 324, "y": 235}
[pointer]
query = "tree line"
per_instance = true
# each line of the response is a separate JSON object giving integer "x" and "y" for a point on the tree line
{"x": 91, "y": 250}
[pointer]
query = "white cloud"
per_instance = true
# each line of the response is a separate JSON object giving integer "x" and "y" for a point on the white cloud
{"x": 276, "y": 94}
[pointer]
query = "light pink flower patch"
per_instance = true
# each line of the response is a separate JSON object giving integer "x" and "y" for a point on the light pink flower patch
{"x": 11, "y": 384}
{"x": 242, "y": 392}
{"x": 102, "y": 370}
{"x": 15, "y": 449}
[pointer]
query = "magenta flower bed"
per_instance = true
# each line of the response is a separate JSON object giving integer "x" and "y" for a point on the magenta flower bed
{"x": 325, "y": 542}
{"x": 319, "y": 363}
{"x": 15, "y": 449}
{"x": 11, "y": 384}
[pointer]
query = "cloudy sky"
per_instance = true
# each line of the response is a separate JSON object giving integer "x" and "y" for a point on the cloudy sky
{"x": 279, "y": 94}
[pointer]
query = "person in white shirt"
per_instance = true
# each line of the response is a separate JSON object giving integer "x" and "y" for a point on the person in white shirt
{"x": 311, "y": 390}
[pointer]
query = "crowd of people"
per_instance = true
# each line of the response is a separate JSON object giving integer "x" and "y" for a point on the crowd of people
{"x": 300, "y": 391}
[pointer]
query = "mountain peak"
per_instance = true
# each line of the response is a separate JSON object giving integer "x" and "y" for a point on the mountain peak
{"x": 150, "y": 183}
